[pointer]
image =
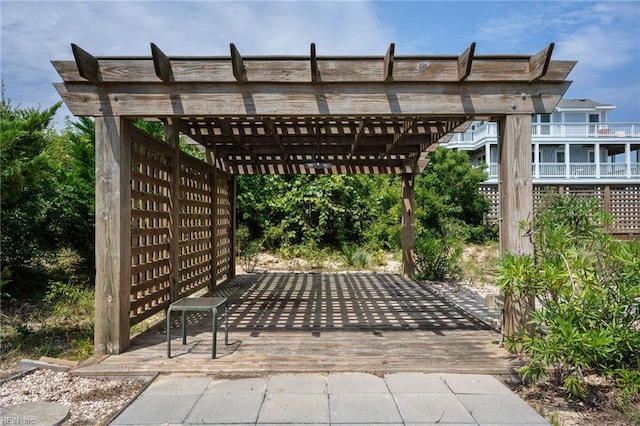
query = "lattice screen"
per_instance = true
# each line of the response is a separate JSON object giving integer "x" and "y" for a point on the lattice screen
{"x": 624, "y": 201}
{"x": 195, "y": 225}
{"x": 152, "y": 163}
{"x": 150, "y": 224}
{"x": 223, "y": 224}
{"x": 625, "y": 207}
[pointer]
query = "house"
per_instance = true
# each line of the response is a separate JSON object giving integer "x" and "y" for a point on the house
{"x": 575, "y": 150}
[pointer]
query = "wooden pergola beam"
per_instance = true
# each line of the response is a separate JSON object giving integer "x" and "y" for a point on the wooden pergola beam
{"x": 87, "y": 64}
{"x": 237, "y": 64}
{"x": 465, "y": 62}
{"x": 388, "y": 64}
{"x": 271, "y": 99}
{"x": 407, "y": 126}
{"x": 539, "y": 63}
{"x": 315, "y": 75}
{"x": 290, "y": 69}
{"x": 161, "y": 64}
{"x": 273, "y": 132}
{"x": 358, "y": 137}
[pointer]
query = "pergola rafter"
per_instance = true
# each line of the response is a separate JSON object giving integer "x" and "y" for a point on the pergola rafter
{"x": 289, "y": 115}
{"x": 352, "y": 95}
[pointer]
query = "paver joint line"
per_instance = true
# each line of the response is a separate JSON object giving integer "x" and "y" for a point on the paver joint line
{"x": 401, "y": 398}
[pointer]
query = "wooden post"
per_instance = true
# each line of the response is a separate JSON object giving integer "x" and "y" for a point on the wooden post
{"x": 408, "y": 226}
{"x": 172, "y": 137}
{"x": 232, "y": 224}
{"x": 516, "y": 205}
{"x": 113, "y": 234}
{"x": 214, "y": 218}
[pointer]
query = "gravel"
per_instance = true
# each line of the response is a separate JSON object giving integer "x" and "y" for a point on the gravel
{"x": 91, "y": 401}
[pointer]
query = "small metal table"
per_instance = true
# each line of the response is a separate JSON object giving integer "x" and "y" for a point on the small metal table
{"x": 199, "y": 304}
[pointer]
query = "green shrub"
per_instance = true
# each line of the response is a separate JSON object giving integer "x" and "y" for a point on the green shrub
{"x": 588, "y": 288}
{"x": 438, "y": 255}
{"x": 248, "y": 250}
{"x": 362, "y": 258}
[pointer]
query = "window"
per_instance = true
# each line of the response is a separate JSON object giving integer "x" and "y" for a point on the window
{"x": 592, "y": 156}
{"x": 559, "y": 156}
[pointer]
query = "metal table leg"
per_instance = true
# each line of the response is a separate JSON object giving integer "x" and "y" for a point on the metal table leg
{"x": 226, "y": 324}
{"x": 214, "y": 330}
{"x": 169, "y": 333}
{"x": 184, "y": 327}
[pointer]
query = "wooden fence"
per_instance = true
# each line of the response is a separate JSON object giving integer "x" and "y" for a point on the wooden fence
{"x": 161, "y": 271}
{"x": 622, "y": 201}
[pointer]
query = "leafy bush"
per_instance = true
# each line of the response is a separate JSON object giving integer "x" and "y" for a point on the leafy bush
{"x": 448, "y": 189}
{"x": 248, "y": 250}
{"x": 588, "y": 287}
{"x": 438, "y": 254}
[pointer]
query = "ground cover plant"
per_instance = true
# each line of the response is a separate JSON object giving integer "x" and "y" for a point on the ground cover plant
{"x": 587, "y": 286}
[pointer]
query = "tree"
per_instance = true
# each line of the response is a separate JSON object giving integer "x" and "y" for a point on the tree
{"x": 448, "y": 188}
{"x": 449, "y": 211}
{"x": 28, "y": 184}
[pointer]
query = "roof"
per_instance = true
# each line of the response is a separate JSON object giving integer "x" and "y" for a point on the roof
{"x": 315, "y": 114}
{"x": 582, "y": 104}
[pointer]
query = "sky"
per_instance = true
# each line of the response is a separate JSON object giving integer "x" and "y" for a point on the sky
{"x": 604, "y": 36}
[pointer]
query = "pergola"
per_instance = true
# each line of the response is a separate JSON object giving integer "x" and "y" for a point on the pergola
{"x": 165, "y": 221}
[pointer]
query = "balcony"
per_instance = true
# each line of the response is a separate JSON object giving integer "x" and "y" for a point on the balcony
{"x": 578, "y": 170}
{"x": 541, "y": 131}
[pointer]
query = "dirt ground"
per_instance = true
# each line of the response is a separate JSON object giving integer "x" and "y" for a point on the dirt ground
{"x": 598, "y": 409}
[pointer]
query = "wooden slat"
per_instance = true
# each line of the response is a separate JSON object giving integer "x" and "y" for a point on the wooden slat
{"x": 270, "y": 100}
{"x": 237, "y": 64}
{"x": 161, "y": 64}
{"x": 388, "y": 64}
{"x": 539, "y": 63}
{"x": 157, "y": 296}
{"x": 465, "y": 62}
{"x": 87, "y": 64}
{"x": 313, "y": 325}
{"x": 366, "y": 70}
{"x": 315, "y": 76}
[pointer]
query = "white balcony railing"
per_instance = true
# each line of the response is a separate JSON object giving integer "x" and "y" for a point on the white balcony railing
{"x": 552, "y": 169}
{"x": 578, "y": 170}
{"x": 554, "y": 130}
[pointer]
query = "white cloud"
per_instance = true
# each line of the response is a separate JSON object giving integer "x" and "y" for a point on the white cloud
{"x": 34, "y": 33}
{"x": 603, "y": 37}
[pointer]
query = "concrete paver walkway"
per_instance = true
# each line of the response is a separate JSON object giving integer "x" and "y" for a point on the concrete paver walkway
{"x": 334, "y": 399}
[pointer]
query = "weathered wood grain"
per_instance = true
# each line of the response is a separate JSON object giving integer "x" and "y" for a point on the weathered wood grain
{"x": 516, "y": 207}
{"x": 297, "y": 323}
{"x": 113, "y": 231}
{"x": 539, "y": 63}
{"x": 161, "y": 64}
{"x": 299, "y": 100}
{"x": 408, "y": 225}
{"x": 87, "y": 65}
{"x": 465, "y": 62}
{"x": 427, "y": 69}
